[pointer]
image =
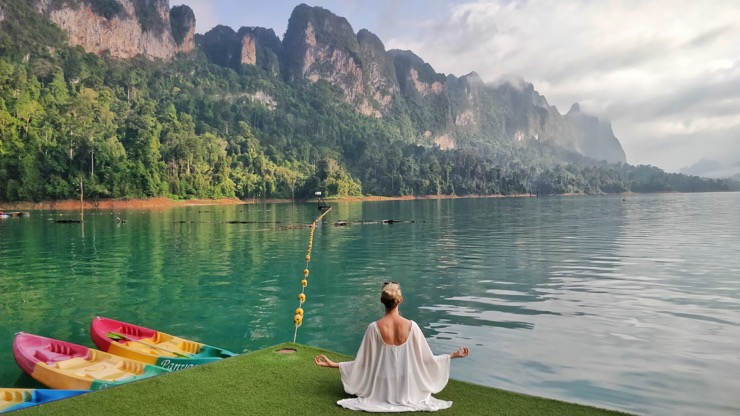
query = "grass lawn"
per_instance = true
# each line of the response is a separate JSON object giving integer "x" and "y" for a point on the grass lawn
{"x": 267, "y": 383}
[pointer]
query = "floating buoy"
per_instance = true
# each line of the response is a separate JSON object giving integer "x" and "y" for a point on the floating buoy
{"x": 298, "y": 317}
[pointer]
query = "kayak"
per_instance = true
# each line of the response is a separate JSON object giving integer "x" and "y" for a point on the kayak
{"x": 63, "y": 365}
{"x": 150, "y": 346}
{"x": 15, "y": 399}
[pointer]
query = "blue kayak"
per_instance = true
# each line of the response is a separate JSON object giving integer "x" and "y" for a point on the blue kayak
{"x": 15, "y": 399}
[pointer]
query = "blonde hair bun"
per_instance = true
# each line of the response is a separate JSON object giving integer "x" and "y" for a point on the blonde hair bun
{"x": 390, "y": 295}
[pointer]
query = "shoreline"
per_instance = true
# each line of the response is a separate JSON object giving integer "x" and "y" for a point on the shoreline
{"x": 123, "y": 203}
{"x": 164, "y": 202}
{"x": 268, "y": 382}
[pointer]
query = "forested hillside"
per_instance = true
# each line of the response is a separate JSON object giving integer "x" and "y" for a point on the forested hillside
{"x": 196, "y": 127}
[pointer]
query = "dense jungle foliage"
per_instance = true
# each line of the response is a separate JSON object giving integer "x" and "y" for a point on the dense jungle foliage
{"x": 189, "y": 128}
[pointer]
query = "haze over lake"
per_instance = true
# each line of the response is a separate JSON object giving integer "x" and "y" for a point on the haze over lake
{"x": 630, "y": 303}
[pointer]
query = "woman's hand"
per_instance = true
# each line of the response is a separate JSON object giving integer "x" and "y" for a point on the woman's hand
{"x": 460, "y": 353}
{"x": 322, "y": 361}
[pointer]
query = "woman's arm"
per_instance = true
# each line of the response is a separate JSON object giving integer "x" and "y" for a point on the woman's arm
{"x": 460, "y": 353}
{"x": 322, "y": 361}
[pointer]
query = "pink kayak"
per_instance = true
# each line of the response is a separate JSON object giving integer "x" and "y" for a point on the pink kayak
{"x": 63, "y": 365}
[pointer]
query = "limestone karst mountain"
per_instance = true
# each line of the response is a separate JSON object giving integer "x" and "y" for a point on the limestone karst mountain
{"x": 444, "y": 110}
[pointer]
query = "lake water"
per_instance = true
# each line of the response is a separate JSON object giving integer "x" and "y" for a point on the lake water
{"x": 629, "y": 303}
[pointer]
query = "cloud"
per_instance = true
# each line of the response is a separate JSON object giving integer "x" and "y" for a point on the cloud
{"x": 678, "y": 151}
{"x": 666, "y": 72}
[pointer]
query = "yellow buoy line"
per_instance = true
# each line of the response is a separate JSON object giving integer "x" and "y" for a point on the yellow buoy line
{"x": 298, "y": 317}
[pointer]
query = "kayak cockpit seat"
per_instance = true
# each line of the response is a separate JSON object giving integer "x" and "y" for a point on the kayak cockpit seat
{"x": 103, "y": 370}
{"x": 168, "y": 348}
{"x": 72, "y": 363}
{"x": 152, "y": 347}
{"x": 50, "y": 357}
{"x": 137, "y": 344}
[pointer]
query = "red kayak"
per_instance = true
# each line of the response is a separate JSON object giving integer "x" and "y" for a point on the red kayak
{"x": 150, "y": 346}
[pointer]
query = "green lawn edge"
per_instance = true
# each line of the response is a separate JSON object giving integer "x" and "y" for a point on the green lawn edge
{"x": 265, "y": 382}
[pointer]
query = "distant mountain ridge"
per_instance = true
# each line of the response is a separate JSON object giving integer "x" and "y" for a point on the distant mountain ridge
{"x": 449, "y": 111}
{"x": 713, "y": 169}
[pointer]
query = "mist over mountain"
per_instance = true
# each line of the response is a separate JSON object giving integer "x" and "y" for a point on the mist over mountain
{"x": 713, "y": 169}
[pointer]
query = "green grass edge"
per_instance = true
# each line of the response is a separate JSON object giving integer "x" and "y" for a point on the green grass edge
{"x": 265, "y": 382}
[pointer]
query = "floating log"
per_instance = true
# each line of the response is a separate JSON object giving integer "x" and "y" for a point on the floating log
{"x": 227, "y": 222}
{"x": 251, "y": 222}
{"x": 343, "y": 223}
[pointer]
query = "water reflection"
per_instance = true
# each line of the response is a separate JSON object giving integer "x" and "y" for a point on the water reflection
{"x": 632, "y": 305}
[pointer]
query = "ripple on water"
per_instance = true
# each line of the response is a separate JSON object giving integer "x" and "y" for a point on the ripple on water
{"x": 632, "y": 305}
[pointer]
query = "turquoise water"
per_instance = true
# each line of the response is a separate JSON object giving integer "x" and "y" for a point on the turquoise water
{"x": 629, "y": 303}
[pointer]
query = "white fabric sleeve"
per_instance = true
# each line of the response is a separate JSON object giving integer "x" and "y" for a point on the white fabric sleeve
{"x": 431, "y": 372}
{"x": 355, "y": 372}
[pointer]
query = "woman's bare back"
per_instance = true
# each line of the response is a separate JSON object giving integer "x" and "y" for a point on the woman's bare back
{"x": 394, "y": 329}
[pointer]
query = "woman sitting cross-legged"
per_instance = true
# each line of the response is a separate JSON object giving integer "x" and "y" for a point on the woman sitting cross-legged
{"x": 395, "y": 370}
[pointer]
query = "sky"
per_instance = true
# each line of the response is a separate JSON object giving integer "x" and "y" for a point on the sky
{"x": 666, "y": 73}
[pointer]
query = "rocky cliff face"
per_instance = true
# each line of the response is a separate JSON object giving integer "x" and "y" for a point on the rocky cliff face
{"x": 379, "y": 72}
{"x": 124, "y": 28}
{"x": 250, "y": 46}
{"x": 515, "y": 111}
{"x": 594, "y": 137}
{"x": 467, "y": 100}
{"x": 221, "y": 45}
{"x": 260, "y": 46}
{"x": 426, "y": 96}
{"x": 248, "y": 50}
{"x": 182, "y": 22}
{"x": 319, "y": 45}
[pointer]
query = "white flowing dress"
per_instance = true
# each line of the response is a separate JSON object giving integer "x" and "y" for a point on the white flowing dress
{"x": 395, "y": 378}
